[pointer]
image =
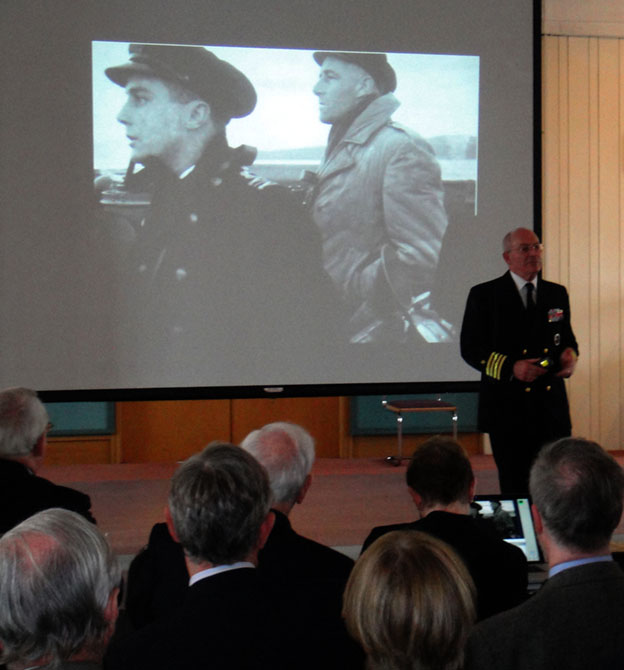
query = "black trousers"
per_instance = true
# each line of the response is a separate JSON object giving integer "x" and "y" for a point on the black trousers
{"x": 515, "y": 450}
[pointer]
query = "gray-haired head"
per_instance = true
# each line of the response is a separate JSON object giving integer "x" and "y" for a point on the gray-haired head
{"x": 508, "y": 239}
{"x": 23, "y": 420}
{"x": 286, "y": 450}
{"x": 218, "y": 501}
{"x": 57, "y": 575}
{"x": 578, "y": 489}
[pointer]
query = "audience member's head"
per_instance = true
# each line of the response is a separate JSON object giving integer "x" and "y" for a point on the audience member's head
{"x": 440, "y": 475}
{"x": 410, "y": 603}
{"x": 219, "y": 505}
{"x": 578, "y": 489}
{"x": 23, "y": 424}
{"x": 59, "y": 583}
{"x": 286, "y": 451}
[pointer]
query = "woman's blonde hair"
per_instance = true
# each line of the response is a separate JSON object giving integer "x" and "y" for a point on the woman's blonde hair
{"x": 410, "y": 603}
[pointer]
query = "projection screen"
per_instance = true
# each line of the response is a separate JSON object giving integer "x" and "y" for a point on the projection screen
{"x": 314, "y": 249}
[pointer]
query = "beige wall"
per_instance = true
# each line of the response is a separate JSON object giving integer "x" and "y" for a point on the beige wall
{"x": 583, "y": 198}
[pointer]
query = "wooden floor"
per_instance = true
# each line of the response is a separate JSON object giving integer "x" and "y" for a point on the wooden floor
{"x": 347, "y": 498}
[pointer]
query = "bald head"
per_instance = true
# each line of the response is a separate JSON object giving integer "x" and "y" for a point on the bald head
{"x": 522, "y": 252}
{"x": 286, "y": 451}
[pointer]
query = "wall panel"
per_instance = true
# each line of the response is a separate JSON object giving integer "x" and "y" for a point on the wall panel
{"x": 171, "y": 430}
{"x": 583, "y": 94}
{"x": 320, "y": 416}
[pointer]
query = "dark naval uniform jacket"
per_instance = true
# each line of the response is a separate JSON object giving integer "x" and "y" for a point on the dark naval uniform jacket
{"x": 223, "y": 256}
{"x": 496, "y": 332}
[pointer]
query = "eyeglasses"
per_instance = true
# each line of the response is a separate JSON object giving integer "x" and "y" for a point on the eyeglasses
{"x": 525, "y": 248}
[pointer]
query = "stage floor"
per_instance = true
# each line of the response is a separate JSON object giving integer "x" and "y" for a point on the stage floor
{"x": 347, "y": 498}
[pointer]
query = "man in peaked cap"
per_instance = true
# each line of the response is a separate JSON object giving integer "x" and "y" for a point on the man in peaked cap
{"x": 379, "y": 203}
{"x": 179, "y": 100}
{"x": 208, "y": 218}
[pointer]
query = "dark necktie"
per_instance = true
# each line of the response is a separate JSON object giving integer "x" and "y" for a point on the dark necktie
{"x": 530, "y": 300}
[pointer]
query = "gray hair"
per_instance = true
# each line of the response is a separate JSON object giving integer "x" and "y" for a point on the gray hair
{"x": 218, "y": 501}
{"x": 578, "y": 489}
{"x": 57, "y": 573}
{"x": 286, "y": 450}
{"x": 23, "y": 419}
{"x": 507, "y": 240}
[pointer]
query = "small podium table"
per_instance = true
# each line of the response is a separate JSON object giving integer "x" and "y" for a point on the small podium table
{"x": 400, "y": 407}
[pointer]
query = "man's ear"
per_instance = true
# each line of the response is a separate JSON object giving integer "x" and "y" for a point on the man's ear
{"x": 304, "y": 489}
{"x": 367, "y": 86}
{"x": 111, "y": 611}
{"x": 416, "y": 497}
{"x": 170, "y": 526}
{"x": 265, "y": 529}
{"x": 537, "y": 520}
{"x": 40, "y": 446}
{"x": 198, "y": 114}
{"x": 472, "y": 489}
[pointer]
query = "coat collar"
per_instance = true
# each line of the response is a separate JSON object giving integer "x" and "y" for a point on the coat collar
{"x": 364, "y": 126}
{"x": 376, "y": 115}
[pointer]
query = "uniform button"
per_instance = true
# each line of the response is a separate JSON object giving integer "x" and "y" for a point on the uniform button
{"x": 524, "y": 351}
{"x": 180, "y": 274}
{"x": 548, "y": 388}
{"x": 216, "y": 181}
{"x": 193, "y": 218}
{"x": 482, "y": 362}
{"x": 142, "y": 267}
{"x": 546, "y": 350}
{"x": 527, "y": 389}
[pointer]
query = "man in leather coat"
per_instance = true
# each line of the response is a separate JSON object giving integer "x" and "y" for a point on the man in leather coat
{"x": 379, "y": 203}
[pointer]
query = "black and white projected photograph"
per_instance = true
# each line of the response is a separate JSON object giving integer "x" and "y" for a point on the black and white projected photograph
{"x": 231, "y": 197}
{"x": 366, "y": 147}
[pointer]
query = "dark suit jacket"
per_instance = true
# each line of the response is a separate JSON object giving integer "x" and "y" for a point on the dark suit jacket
{"x": 496, "y": 332}
{"x": 311, "y": 567}
{"x": 22, "y": 494}
{"x": 573, "y": 623}
{"x": 158, "y": 579}
{"x": 498, "y": 569}
{"x": 306, "y": 581}
{"x": 227, "y": 621}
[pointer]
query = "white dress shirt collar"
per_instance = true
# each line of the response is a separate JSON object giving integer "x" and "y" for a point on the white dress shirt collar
{"x": 215, "y": 570}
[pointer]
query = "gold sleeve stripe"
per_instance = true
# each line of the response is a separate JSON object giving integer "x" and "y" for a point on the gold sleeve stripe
{"x": 494, "y": 365}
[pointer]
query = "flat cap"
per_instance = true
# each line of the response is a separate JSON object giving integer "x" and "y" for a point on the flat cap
{"x": 194, "y": 68}
{"x": 375, "y": 64}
